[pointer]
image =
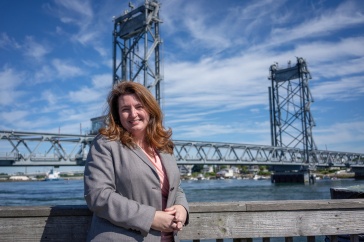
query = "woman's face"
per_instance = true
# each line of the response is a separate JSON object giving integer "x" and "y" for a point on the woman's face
{"x": 133, "y": 115}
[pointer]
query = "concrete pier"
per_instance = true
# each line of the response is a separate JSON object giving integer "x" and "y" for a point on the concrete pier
{"x": 293, "y": 177}
{"x": 359, "y": 173}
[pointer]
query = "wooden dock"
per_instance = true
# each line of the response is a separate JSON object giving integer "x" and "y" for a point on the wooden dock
{"x": 240, "y": 221}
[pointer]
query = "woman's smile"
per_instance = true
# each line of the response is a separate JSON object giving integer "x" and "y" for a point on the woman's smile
{"x": 133, "y": 116}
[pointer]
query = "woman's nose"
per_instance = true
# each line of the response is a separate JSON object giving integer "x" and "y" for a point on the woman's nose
{"x": 133, "y": 112}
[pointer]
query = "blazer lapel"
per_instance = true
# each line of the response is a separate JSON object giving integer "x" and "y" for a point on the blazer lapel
{"x": 140, "y": 153}
{"x": 168, "y": 165}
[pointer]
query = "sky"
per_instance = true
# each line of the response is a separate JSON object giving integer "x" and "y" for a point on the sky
{"x": 56, "y": 66}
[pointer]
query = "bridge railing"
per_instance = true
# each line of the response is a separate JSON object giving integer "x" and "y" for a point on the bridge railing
{"x": 239, "y": 221}
{"x": 30, "y": 148}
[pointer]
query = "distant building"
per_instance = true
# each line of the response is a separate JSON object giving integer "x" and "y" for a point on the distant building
{"x": 19, "y": 178}
{"x": 207, "y": 169}
{"x": 235, "y": 169}
{"x": 225, "y": 173}
{"x": 96, "y": 124}
{"x": 253, "y": 169}
{"x": 185, "y": 170}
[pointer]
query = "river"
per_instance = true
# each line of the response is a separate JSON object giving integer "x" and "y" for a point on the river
{"x": 70, "y": 192}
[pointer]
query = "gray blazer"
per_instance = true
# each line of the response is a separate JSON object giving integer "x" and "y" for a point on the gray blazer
{"x": 122, "y": 189}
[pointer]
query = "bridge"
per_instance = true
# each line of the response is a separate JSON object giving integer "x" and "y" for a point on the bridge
{"x": 52, "y": 149}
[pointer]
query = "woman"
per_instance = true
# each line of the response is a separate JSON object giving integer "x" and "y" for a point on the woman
{"x": 131, "y": 177}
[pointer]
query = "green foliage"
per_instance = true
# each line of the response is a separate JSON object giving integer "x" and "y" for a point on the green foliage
{"x": 243, "y": 169}
{"x": 197, "y": 168}
{"x": 71, "y": 175}
{"x": 264, "y": 173}
{"x": 262, "y": 168}
{"x": 210, "y": 174}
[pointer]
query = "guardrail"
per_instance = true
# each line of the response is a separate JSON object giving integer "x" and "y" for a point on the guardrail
{"x": 240, "y": 221}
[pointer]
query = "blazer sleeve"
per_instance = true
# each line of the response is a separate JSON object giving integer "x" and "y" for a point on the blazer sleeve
{"x": 174, "y": 176}
{"x": 182, "y": 200}
{"x": 101, "y": 196}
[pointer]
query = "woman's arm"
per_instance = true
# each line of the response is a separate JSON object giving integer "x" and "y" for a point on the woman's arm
{"x": 101, "y": 196}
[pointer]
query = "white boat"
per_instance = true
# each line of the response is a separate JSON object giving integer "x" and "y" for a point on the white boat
{"x": 258, "y": 177}
{"x": 53, "y": 175}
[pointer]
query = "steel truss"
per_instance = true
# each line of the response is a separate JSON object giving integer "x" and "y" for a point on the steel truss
{"x": 38, "y": 149}
{"x": 136, "y": 47}
{"x": 25, "y": 149}
{"x": 290, "y": 101}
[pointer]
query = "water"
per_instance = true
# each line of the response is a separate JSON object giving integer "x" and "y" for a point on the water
{"x": 70, "y": 192}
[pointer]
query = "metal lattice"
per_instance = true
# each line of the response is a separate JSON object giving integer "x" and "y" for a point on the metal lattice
{"x": 136, "y": 47}
{"x": 290, "y": 101}
{"x": 45, "y": 149}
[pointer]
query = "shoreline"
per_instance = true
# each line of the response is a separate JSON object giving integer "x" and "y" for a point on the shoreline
{"x": 187, "y": 178}
{"x": 42, "y": 180}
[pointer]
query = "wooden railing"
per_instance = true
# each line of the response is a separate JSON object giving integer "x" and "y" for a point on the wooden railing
{"x": 240, "y": 221}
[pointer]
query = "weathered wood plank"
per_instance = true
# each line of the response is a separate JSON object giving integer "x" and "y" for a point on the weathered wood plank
{"x": 240, "y": 221}
{"x": 305, "y": 205}
{"x": 56, "y": 228}
{"x": 44, "y": 211}
{"x": 282, "y": 205}
{"x": 274, "y": 224}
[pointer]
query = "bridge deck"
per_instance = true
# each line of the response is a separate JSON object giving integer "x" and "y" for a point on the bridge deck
{"x": 47, "y": 149}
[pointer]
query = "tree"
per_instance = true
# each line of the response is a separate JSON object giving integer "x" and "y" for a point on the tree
{"x": 197, "y": 168}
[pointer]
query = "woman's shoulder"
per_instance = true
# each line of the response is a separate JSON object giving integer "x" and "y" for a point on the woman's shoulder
{"x": 101, "y": 139}
{"x": 167, "y": 155}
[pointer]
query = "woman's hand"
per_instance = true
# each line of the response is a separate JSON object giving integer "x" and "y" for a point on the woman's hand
{"x": 164, "y": 221}
{"x": 171, "y": 219}
{"x": 180, "y": 216}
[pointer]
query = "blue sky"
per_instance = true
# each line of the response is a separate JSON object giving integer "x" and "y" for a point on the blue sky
{"x": 56, "y": 65}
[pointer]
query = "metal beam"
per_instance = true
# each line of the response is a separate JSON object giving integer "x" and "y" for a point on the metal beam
{"x": 47, "y": 149}
{"x": 136, "y": 47}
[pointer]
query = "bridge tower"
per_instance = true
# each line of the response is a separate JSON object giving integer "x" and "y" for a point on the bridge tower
{"x": 290, "y": 116}
{"x": 136, "y": 47}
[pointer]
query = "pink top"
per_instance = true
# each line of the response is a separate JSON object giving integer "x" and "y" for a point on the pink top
{"x": 164, "y": 183}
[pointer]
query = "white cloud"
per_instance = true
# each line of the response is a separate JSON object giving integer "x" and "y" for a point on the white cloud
{"x": 7, "y": 42}
{"x": 97, "y": 92}
{"x": 10, "y": 79}
{"x": 84, "y": 95}
{"x": 342, "y": 89}
{"x": 49, "y": 96}
{"x": 75, "y": 11}
{"x": 344, "y": 133}
{"x": 65, "y": 69}
{"x": 13, "y": 116}
{"x": 35, "y": 50}
{"x": 103, "y": 81}
{"x": 346, "y": 15}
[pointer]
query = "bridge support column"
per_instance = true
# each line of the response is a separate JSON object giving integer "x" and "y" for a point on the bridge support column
{"x": 359, "y": 173}
{"x": 359, "y": 176}
{"x": 291, "y": 177}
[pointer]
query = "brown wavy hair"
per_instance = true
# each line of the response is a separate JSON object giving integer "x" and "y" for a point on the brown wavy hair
{"x": 157, "y": 136}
